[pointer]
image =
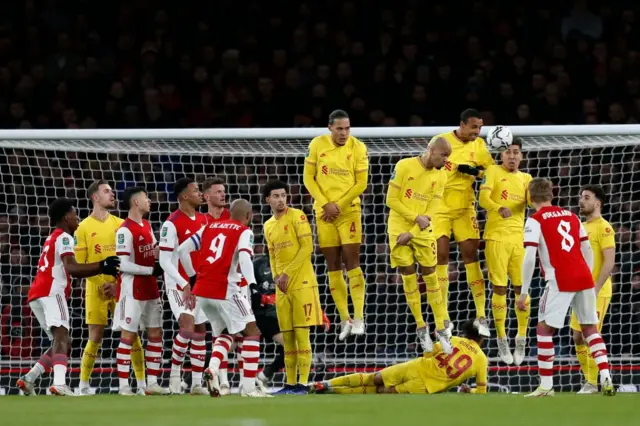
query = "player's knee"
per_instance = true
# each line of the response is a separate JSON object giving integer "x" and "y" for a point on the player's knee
{"x": 443, "y": 251}
{"x": 96, "y": 333}
{"x": 469, "y": 251}
{"x": 427, "y": 270}
{"x": 351, "y": 256}
{"x": 577, "y": 337}
{"x": 333, "y": 258}
{"x": 154, "y": 333}
{"x": 544, "y": 329}
{"x": 251, "y": 330}
{"x": 377, "y": 380}
{"x": 407, "y": 270}
{"x": 588, "y": 330}
{"x": 200, "y": 328}
{"x": 186, "y": 323}
{"x": 498, "y": 289}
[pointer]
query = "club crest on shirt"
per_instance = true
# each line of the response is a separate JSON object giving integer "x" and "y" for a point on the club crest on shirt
{"x": 164, "y": 232}
{"x": 121, "y": 239}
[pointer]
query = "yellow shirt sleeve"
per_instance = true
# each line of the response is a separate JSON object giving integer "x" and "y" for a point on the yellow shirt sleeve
{"x": 394, "y": 196}
{"x": 304, "y": 235}
{"x": 481, "y": 374}
{"x": 607, "y": 239}
{"x": 271, "y": 250}
{"x": 80, "y": 248}
{"x": 309, "y": 174}
{"x": 361, "y": 170}
{"x": 486, "y": 189}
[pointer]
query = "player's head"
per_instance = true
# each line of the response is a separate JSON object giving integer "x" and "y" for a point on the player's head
{"x": 241, "y": 211}
{"x": 136, "y": 198}
{"x": 438, "y": 151}
{"x": 101, "y": 194}
{"x": 62, "y": 214}
{"x": 592, "y": 198}
{"x": 470, "y": 124}
{"x": 540, "y": 192}
{"x": 471, "y": 330}
{"x": 187, "y": 191}
{"x": 340, "y": 126}
{"x": 213, "y": 191}
{"x": 275, "y": 192}
{"x": 512, "y": 156}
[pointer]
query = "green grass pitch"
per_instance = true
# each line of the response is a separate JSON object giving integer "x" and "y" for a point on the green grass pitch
{"x": 326, "y": 410}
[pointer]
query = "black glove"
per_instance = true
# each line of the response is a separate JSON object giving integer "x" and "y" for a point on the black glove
{"x": 192, "y": 281}
{"x": 110, "y": 265}
{"x": 468, "y": 170}
{"x": 157, "y": 270}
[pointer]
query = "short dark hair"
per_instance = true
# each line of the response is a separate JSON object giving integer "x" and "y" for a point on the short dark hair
{"x": 470, "y": 331}
{"x": 209, "y": 182}
{"x": 58, "y": 209}
{"x": 598, "y": 191}
{"x": 469, "y": 113}
{"x": 517, "y": 141}
{"x": 181, "y": 184}
{"x": 337, "y": 115}
{"x": 273, "y": 185}
{"x": 129, "y": 193}
{"x": 95, "y": 187}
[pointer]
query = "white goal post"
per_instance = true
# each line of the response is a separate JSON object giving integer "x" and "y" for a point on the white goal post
{"x": 37, "y": 166}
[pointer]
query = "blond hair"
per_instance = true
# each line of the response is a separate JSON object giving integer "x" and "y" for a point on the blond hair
{"x": 540, "y": 190}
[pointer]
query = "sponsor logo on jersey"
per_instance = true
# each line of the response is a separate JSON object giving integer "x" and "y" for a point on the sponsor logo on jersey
{"x": 97, "y": 249}
{"x": 325, "y": 170}
{"x": 448, "y": 166}
{"x": 504, "y": 195}
{"x": 408, "y": 193}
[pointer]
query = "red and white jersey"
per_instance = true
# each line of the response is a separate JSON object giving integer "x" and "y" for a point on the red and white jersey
{"x": 225, "y": 215}
{"x": 137, "y": 241}
{"x": 177, "y": 228}
{"x": 219, "y": 244}
{"x": 558, "y": 234}
{"x": 52, "y": 278}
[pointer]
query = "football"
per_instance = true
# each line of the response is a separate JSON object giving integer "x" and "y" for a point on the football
{"x": 499, "y": 138}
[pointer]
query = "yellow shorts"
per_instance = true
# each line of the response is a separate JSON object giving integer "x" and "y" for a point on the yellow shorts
{"x": 346, "y": 229}
{"x": 504, "y": 261}
{"x": 602, "y": 304}
{"x": 420, "y": 250}
{"x": 461, "y": 222}
{"x": 298, "y": 308}
{"x": 98, "y": 309}
{"x": 404, "y": 377}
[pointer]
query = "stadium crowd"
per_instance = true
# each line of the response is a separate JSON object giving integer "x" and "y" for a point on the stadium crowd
{"x": 162, "y": 64}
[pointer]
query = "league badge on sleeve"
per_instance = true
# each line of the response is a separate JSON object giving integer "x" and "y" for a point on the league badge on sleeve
{"x": 164, "y": 232}
{"x": 121, "y": 239}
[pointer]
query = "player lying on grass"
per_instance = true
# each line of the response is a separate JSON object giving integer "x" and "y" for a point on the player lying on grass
{"x": 432, "y": 373}
{"x": 503, "y": 194}
{"x": 566, "y": 259}
{"x": 49, "y": 293}
{"x": 414, "y": 195}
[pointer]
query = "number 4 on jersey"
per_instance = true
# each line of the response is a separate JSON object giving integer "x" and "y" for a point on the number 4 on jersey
{"x": 216, "y": 247}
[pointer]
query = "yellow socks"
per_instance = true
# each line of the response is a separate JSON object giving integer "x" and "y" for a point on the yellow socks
{"x": 357, "y": 289}
{"x": 338, "y": 287}
{"x": 476, "y": 285}
{"x": 499, "y": 310}
{"x": 412, "y": 294}
{"x": 587, "y": 364}
{"x": 442, "y": 272}
{"x": 434, "y": 298}
{"x": 88, "y": 360}
{"x": 359, "y": 390}
{"x": 137, "y": 359}
{"x": 303, "y": 341}
{"x": 290, "y": 357}
{"x": 353, "y": 380}
{"x": 523, "y": 318}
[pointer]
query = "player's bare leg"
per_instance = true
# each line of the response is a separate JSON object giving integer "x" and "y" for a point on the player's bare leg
{"x": 96, "y": 334}
{"x": 197, "y": 356}
{"x": 523, "y": 325}
{"x": 499, "y": 309}
{"x": 250, "y": 357}
{"x": 434, "y": 299}
{"x": 582, "y": 353}
{"x": 357, "y": 285}
{"x": 469, "y": 252}
{"x": 442, "y": 273}
{"x": 179, "y": 351}
{"x": 338, "y": 287}
{"x": 60, "y": 361}
{"x": 153, "y": 357}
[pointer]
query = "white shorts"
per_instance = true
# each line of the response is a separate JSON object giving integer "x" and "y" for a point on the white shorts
{"x": 555, "y": 304}
{"x": 233, "y": 314}
{"x": 51, "y": 311}
{"x": 133, "y": 315}
{"x": 177, "y": 307}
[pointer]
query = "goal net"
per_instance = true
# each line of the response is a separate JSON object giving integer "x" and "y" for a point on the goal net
{"x": 37, "y": 166}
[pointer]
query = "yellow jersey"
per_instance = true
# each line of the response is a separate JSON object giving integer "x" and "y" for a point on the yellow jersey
{"x": 95, "y": 241}
{"x": 336, "y": 174}
{"x": 440, "y": 371}
{"x": 601, "y": 237}
{"x": 459, "y": 192}
{"x": 413, "y": 190}
{"x": 290, "y": 244}
{"x": 501, "y": 188}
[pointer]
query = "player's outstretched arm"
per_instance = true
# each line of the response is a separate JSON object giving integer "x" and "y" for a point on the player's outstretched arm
{"x": 481, "y": 376}
{"x": 124, "y": 247}
{"x": 309, "y": 175}
{"x": 64, "y": 248}
{"x": 486, "y": 190}
{"x": 532, "y": 235}
{"x": 168, "y": 242}
{"x": 186, "y": 248}
{"x": 362, "y": 178}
